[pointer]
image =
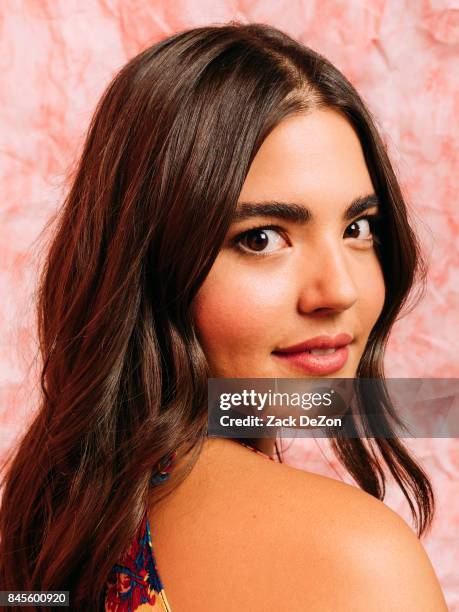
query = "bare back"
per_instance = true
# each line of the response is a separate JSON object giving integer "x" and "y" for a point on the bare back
{"x": 245, "y": 533}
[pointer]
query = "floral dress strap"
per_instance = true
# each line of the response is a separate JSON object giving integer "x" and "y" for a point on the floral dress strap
{"x": 134, "y": 584}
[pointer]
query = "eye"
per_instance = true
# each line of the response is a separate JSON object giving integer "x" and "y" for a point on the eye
{"x": 260, "y": 240}
{"x": 364, "y": 228}
{"x": 267, "y": 239}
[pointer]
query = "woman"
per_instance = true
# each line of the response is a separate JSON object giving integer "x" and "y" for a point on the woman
{"x": 233, "y": 200}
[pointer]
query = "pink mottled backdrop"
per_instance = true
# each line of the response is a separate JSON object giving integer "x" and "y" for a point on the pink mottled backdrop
{"x": 403, "y": 56}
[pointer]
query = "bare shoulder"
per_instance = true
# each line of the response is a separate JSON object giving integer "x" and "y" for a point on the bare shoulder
{"x": 346, "y": 550}
{"x": 265, "y": 536}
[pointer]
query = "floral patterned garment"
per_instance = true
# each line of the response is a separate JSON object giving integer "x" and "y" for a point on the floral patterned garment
{"x": 134, "y": 584}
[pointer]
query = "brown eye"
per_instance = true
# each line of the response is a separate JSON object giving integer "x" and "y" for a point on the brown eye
{"x": 360, "y": 231}
{"x": 262, "y": 241}
{"x": 257, "y": 240}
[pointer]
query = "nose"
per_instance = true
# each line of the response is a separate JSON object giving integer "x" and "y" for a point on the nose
{"x": 328, "y": 286}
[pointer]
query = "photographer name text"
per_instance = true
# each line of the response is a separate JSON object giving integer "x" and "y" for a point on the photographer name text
{"x": 272, "y": 420}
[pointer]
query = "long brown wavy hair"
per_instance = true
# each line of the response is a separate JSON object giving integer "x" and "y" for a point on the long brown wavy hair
{"x": 124, "y": 378}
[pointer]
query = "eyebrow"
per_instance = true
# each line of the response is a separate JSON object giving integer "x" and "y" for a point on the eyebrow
{"x": 296, "y": 213}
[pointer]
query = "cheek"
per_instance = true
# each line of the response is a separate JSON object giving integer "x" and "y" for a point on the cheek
{"x": 239, "y": 313}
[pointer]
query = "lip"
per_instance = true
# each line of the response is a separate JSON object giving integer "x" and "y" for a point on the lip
{"x": 317, "y": 365}
{"x": 323, "y": 341}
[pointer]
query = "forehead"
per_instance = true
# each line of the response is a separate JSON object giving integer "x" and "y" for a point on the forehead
{"x": 314, "y": 158}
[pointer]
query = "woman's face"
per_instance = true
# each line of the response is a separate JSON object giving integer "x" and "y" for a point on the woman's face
{"x": 314, "y": 272}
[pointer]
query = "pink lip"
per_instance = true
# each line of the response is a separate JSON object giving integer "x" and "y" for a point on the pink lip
{"x": 318, "y": 342}
{"x": 318, "y": 365}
